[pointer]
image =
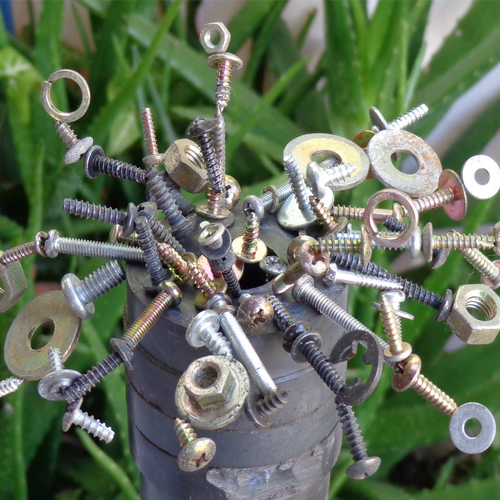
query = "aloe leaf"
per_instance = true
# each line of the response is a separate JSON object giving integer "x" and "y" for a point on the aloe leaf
{"x": 306, "y": 27}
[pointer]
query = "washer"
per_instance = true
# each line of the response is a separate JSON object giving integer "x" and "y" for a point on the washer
{"x": 477, "y": 167}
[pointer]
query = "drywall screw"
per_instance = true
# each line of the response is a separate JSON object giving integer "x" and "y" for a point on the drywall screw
{"x": 88, "y": 423}
{"x": 169, "y": 297}
{"x": 247, "y": 354}
{"x": 299, "y": 188}
{"x": 149, "y": 131}
{"x": 204, "y": 331}
{"x": 322, "y": 215}
{"x": 96, "y": 163}
{"x": 364, "y": 465}
{"x": 26, "y": 249}
{"x": 10, "y": 385}
{"x": 408, "y": 376}
{"x": 490, "y": 270}
{"x": 81, "y": 294}
{"x": 56, "y": 244}
{"x": 400, "y": 123}
{"x": 196, "y": 452}
{"x": 148, "y": 246}
{"x": 453, "y": 241}
{"x": 224, "y": 63}
{"x": 75, "y": 148}
{"x": 269, "y": 200}
{"x": 392, "y": 224}
{"x": 335, "y": 275}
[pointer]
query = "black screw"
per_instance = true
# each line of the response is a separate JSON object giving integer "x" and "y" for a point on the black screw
{"x": 96, "y": 163}
{"x": 393, "y": 224}
{"x": 148, "y": 246}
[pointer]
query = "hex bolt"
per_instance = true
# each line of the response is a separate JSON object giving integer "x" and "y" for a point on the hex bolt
{"x": 408, "y": 376}
{"x": 9, "y": 385}
{"x": 247, "y": 354}
{"x": 88, "y": 423}
{"x": 75, "y": 148}
{"x": 169, "y": 297}
{"x": 196, "y": 452}
{"x": 453, "y": 241}
{"x": 335, "y": 275}
{"x": 400, "y": 123}
{"x": 490, "y": 270}
{"x": 224, "y": 63}
{"x": 148, "y": 246}
{"x": 204, "y": 331}
{"x": 81, "y": 294}
{"x": 269, "y": 200}
{"x": 97, "y": 163}
{"x": 26, "y": 249}
{"x": 299, "y": 188}
{"x": 149, "y": 131}
{"x": 57, "y": 244}
{"x": 249, "y": 248}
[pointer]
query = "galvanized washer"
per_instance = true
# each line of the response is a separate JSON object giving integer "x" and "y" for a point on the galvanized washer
{"x": 387, "y": 142}
{"x": 481, "y": 166}
{"x": 48, "y": 105}
{"x": 33, "y": 364}
{"x": 303, "y": 149}
{"x": 483, "y": 440}
{"x": 402, "y": 199}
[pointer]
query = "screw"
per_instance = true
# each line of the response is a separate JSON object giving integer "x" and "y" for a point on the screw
{"x": 75, "y": 148}
{"x": 96, "y": 163}
{"x": 25, "y": 250}
{"x": 55, "y": 359}
{"x": 148, "y": 246}
{"x": 408, "y": 376}
{"x": 358, "y": 213}
{"x": 320, "y": 176}
{"x": 196, "y": 452}
{"x": 169, "y": 297}
{"x": 224, "y": 63}
{"x": 272, "y": 402}
{"x": 173, "y": 260}
{"x": 220, "y": 139}
{"x": 57, "y": 244}
{"x": 185, "y": 206}
{"x": 272, "y": 265}
{"x": 354, "y": 263}
{"x": 88, "y": 423}
{"x": 149, "y": 132}
{"x": 299, "y": 188}
{"x": 335, "y": 275}
{"x": 204, "y": 331}
{"x": 400, "y": 123}
{"x": 10, "y": 385}
{"x": 249, "y": 248}
{"x": 490, "y": 270}
{"x": 453, "y": 241}
{"x": 322, "y": 215}
{"x": 269, "y": 200}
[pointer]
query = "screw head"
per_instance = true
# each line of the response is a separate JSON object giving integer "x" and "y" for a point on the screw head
{"x": 446, "y": 306}
{"x": 129, "y": 225}
{"x": 200, "y": 126}
{"x": 215, "y": 59}
{"x": 363, "y": 468}
{"x": 377, "y": 118}
{"x": 196, "y": 455}
{"x": 90, "y": 171}
{"x": 76, "y": 152}
{"x": 254, "y": 204}
{"x": 406, "y": 373}
{"x": 427, "y": 242}
{"x": 69, "y": 285}
{"x": 232, "y": 192}
{"x": 299, "y": 343}
{"x": 458, "y": 208}
{"x": 203, "y": 321}
{"x": 51, "y": 386}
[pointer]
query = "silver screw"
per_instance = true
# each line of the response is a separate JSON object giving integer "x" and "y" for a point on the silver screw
{"x": 220, "y": 140}
{"x": 319, "y": 177}
{"x": 269, "y": 200}
{"x": 204, "y": 331}
{"x": 299, "y": 188}
{"x": 76, "y": 148}
{"x": 400, "y": 123}
{"x": 490, "y": 270}
{"x": 88, "y": 423}
{"x": 335, "y": 275}
{"x": 224, "y": 63}
{"x": 10, "y": 385}
{"x": 81, "y": 294}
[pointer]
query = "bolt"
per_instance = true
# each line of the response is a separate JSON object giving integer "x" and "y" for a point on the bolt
{"x": 408, "y": 376}
{"x": 453, "y": 241}
{"x": 196, "y": 452}
{"x": 335, "y": 275}
{"x": 148, "y": 246}
{"x": 224, "y": 63}
{"x": 75, "y": 148}
{"x": 169, "y": 297}
{"x": 400, "y": 123}
{"x": 204, "y": 331}
{"x": 249, "y": 248}
{"x": 57, "y": 244}
{"x": 96, "y": 163}
{"x": 88, "y": 423}
{"x": 490, "y": 270}
{"x": 269, "y": 200}
{"x": 10, "y": 385}
{"x": 81, "y": 294}
{"x": 299, "y": 188}
{"x": 25, "y": 250}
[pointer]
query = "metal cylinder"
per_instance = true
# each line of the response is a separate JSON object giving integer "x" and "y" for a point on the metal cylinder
{"x": 290, "y": 460}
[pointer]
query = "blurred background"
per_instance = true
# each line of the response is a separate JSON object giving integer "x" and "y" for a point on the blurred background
{"x": 309, "y": 67}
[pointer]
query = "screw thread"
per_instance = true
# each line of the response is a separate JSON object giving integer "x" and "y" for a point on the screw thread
{"x": 392, "y": 224}
{"x": 10, "y": 385}
{"x": 223, "y": 83}
{"x": 220, "y": 140}
{"x": 420, "y": 294}
{"x": 391, "y": 324}
{"x": 352, "y": 432}
{"x": 185, "y": 206}
{"x": 163, "y": 236}
{"x": 215, "y": 200}
{"x": 251, "y": 235}
{"x": 88, "y": 248}
{"x": 322, "y": 215}
{"x": 247, "y": 354}
{"x": 272, "y": 402}
{"x": 283, "y": 191}
{"x": 339, "y": 173}
{"x": 93, "y": 211}
{"x": 214, "y": 172}
{"x": 200, "y": 280}
{"x": 434, "y": 200}
{"x": 480, "y": 262}
{"x": 338, "y": 245}
{"x": 282, "y": 316}
{"x": 56, "y": 362}
{"x": 233, "y": 285}
{"x": 184, "y": 432}
{"x": 409, "y": 118}
{"x": 364, "y": 280}
{"x": 149, "y": 131}
{"x": 101, "y": 281}
{"x": 458, "y": 241}
{"x": 94, "y": 426}
{"x": 218, "y": 344}
{"x": 173, "y": 259}
{"x": 434, "y": 395}
{"x": 329, "y": 163}
{"x": 17, "y": 253}
{"x": 350, "y": 213}
{"x": 148, "y": 246}
{"x": 65, "y": 132}
{"x": 353, "y": 262}
{"x": 324, "y": 368}
{"x": 118, "y": 169}
{"x": 299, "y": 188}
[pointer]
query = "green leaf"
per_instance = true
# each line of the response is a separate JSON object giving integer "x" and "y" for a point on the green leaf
{"x": 304, "y": 31}
{"x": 4, "y": 41}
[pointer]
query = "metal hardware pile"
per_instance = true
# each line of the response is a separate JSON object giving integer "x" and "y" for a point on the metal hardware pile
{"x": 326, "y": 252}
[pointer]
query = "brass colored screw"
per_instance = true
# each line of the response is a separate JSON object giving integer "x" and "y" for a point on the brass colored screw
{"x": 196, "y": 452}
{"x": 322, "y": 215}
{"x": 173, "y": 260}
{"x": 249, "y": 248}
{"x": 149, "y": 131}
{"x": 25, "y": 250}
{"x": 490, "y": 270}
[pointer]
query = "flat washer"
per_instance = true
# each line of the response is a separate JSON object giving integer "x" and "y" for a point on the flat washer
{"x": 477, "y": 165}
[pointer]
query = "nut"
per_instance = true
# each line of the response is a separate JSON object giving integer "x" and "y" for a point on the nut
{"x": 469, "y": 328}
{"x": 217, "y": 29}
{"x": 255, "y": 314}
{"x": 13, "y": 284}
{"x": 184, "y": 164}
{"x": 212, "y": 391}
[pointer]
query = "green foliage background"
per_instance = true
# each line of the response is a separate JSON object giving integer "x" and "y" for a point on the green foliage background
{"x": 148, "y": 54}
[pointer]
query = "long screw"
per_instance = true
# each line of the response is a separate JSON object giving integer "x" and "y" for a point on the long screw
{"x": 96, "y": 163}
{"x": 224, "y": 63}
{"x": 490, "y": 270}
{"x": 400, "y": 123}
{"x": 10, "y": 385}
{"x": 56, "y": 362}
{"x": 148, "y": 246}
{"x": 220, "y": 139}
{"x": 25, "y": 250}
{"x": 149, "y": 131}
{"x": 173, "y": 260}
{"x": 88, "y": 423}
{"x": 75, "y": 148}
{"x": 299, "y": 188}
{"x": 185, "y": 206}
{"x": 133, "y": 336}
{"x": 336, "y": 275}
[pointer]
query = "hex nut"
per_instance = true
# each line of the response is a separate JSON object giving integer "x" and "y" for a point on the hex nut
{"x": 206, "y": 38}
{"x": 13, "y": 284}
{"x": 469, "y": 328}
{"x": 212, "y": 391}
{"x": 184, "y": 164}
